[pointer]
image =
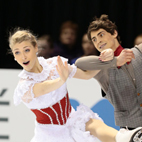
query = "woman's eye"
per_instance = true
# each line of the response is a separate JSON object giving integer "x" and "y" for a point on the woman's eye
{"x": 17, "y": 52}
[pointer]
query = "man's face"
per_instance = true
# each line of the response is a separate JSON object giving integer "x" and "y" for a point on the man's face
{"x": 103, "y": 40}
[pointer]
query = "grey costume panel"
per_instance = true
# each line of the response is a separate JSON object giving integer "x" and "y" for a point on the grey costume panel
{"x": 123, "y": 88}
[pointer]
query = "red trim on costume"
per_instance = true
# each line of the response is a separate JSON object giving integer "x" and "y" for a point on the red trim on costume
{"x": 56, "y": 114}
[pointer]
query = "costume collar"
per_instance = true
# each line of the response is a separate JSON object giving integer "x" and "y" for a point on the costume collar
{"x": 38, "y": 77}
{"x": 118, "y": 51}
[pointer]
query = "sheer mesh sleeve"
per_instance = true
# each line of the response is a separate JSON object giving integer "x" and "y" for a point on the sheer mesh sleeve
{"x": 23, "y": 92}
{"x": 28, "y": 96}
{"x": 72, "y": 70}
{"x": 53, "y": 62}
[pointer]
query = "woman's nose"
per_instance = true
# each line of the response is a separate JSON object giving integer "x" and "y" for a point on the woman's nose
{"x": 23, "y": 56}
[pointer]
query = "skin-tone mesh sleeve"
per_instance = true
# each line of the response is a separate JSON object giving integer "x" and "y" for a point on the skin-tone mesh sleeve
{"x": 28, "y": 96}
{"x": 93, "y": 63}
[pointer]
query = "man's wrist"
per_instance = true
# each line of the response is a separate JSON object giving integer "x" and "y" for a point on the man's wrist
{"x": 118, "y": 63}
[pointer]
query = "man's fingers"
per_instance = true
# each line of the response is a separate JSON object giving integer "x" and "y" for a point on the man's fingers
{"x": 130, "y": 55}
{"x": 133, "y": 56}
{"x": 129, "y": 51}
{"x": 129, "y": 60}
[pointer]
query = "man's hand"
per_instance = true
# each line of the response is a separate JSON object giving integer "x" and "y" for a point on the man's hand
{"x": 125, "y": 56}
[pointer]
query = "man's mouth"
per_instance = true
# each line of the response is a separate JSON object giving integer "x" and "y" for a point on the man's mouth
{"x": 102, "y": 46}
{"x": 26, "y": 63}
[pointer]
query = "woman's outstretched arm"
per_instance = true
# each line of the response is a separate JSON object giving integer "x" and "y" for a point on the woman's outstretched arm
{"x": 51, "y": 85}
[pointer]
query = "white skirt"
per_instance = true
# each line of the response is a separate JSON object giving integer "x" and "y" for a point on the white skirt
{"x": 72, "y": 131}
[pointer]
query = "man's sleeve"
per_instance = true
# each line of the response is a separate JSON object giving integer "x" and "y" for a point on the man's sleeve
{"x": 139, "y": 47}
{"x": 93, "y": 63}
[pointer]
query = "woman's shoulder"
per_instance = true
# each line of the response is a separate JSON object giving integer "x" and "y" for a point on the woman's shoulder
{"x": 22, "y": 87}
{"x": 53, "y": 60}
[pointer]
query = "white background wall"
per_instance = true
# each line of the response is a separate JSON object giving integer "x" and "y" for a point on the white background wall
{"x": 20, "y": 125}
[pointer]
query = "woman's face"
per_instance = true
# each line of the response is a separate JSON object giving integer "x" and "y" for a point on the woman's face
{"x": 25, "y": 55}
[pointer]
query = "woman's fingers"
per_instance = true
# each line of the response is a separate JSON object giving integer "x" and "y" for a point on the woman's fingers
{"x": 106, "y": 58}
{"x": 107, "y": 55}
{"x": 66, "y": 65}
{"x": 57, "y": 69}
{"x": 60, "y": 63}
{"x": 62, "y": 68}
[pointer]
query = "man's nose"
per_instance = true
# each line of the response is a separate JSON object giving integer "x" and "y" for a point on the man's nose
{"x": 98, "y": 40}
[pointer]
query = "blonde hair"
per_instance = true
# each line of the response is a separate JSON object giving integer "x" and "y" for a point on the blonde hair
{"x": 20, "y": 35}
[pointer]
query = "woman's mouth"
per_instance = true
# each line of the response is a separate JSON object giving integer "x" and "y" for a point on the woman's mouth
{"x": 26, "y": 63}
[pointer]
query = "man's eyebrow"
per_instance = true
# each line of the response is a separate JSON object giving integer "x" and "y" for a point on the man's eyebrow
{"x": 100, "y": 33}
{"x": 93, "y": 38}
{"x": 97, "y": 34}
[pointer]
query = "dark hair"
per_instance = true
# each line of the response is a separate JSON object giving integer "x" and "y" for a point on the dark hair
{"x": 47, "y": 38}
{"x": 104, "y": 23}
{"x": 69, "y": 24}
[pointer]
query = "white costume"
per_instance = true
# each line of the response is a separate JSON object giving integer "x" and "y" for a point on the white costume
{"x": 56, "y": 120}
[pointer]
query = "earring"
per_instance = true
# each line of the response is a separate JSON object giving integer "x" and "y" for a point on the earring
{"x": 36, "y": 53}
{"x": 14, "y": 59}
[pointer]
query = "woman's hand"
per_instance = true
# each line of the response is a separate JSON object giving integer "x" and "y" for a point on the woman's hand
{"x": 62, "y": 69}
{"x": 106, "y": 55}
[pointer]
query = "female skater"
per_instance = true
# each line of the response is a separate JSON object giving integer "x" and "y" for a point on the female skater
{"x": 42, "y": 88}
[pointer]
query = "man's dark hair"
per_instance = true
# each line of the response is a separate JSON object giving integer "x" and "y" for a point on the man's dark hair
{"x": 102, "y": 23}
